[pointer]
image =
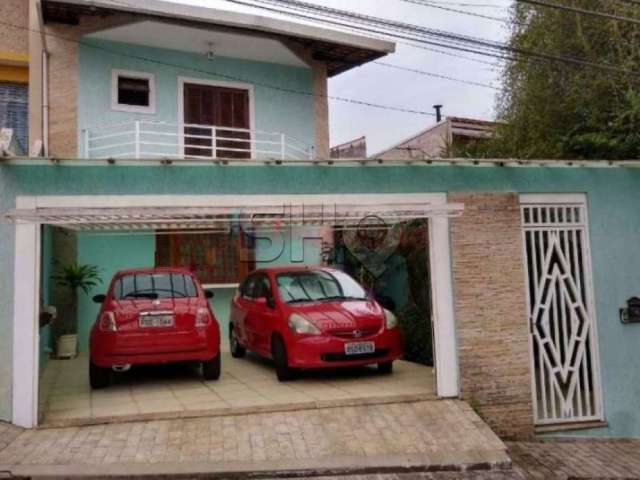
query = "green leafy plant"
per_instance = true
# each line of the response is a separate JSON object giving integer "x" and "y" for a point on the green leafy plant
{"x": 75, "y": 277}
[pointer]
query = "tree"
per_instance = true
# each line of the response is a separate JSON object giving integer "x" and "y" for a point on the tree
{"x": 566, "y": 111}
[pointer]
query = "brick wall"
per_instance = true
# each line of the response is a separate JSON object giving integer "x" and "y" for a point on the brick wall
{"x": 62, "y": 43}
{"x": 490, "y": 308}
{"x": 14, "y": 39}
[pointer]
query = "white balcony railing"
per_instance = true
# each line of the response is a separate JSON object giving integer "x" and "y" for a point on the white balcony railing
{"x": 147, "y": 139}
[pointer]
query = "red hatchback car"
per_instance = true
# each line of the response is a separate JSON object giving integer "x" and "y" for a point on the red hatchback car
{"x": 310, "y": 318}
{"x": 153, "y": 316}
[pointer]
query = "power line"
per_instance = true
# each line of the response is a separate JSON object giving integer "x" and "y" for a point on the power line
{"x": 426, "y": 35}
{"x": 227, "y": 76}
{"x": 436, "y": 75}
{"x": 431, "y": 4}
{"x": 581, "y": 11}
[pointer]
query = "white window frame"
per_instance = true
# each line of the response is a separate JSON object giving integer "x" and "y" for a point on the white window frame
{"x": 223, "y": 84}
{"x": 27, "y": 274}
{"x": 119, "y": 107}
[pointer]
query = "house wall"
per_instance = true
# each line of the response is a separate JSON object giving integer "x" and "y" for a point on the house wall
{"x": 613, "y": 199}
{"x": 14, "y": 38}
{"x": 489, "y": 299}
{"x": 275, "y": 111}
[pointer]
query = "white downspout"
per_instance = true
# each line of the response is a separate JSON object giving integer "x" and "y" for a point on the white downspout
{"x": 45, "y": 102}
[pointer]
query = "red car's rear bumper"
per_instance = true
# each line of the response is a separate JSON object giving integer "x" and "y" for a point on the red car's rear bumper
{"x": 325, "y": 351}
{"x": 113, "y": 348}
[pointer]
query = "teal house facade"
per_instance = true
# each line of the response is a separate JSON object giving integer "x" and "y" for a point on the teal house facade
{"x": 174, "y": 131}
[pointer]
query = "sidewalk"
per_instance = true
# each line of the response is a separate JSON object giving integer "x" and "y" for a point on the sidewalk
{"x": 438, "y": 435}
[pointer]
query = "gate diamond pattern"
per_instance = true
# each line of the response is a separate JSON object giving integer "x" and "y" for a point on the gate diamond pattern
{"x": 565, "y": 367}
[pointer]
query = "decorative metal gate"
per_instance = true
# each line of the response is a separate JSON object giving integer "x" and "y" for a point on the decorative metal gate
{"x": 565, "y": 371}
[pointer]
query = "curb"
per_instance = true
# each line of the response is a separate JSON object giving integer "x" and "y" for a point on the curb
{"x": 338, "y": 466}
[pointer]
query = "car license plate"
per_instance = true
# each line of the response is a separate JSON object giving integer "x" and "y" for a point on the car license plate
{"x": 359, "y": 348}
{"x": 156, "y": 321}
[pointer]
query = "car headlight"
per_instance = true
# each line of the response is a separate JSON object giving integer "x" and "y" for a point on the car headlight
{"x": 390, "y": 319}
{"x": 301, "y": 325}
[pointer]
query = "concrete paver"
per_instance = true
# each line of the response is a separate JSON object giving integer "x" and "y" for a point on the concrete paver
{"x": 577, "y": 459}
{"x": 439, "y": 433}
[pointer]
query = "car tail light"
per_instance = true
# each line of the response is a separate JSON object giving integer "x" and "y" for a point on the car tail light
{"x": 203, "y": 317}
{"x": 108, "y": 322}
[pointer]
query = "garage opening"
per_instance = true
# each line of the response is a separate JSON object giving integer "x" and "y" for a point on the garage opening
{"x": 384, "y": 248}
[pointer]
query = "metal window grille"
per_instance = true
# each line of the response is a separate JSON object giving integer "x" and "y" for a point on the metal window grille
{"x": 14, "y": 111}
{"x": 565, "y": 370}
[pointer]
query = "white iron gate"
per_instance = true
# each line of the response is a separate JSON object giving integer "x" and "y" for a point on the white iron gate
{"x": 565, "y": 371}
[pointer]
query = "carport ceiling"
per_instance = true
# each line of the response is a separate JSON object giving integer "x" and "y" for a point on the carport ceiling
{"x": 224, "y": 218}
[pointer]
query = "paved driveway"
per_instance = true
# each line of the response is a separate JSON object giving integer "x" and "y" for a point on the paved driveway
{"x": 442, "y": 434}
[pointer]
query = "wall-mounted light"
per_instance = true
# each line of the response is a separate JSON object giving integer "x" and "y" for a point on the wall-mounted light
{"x": 631, "y": 314}
{"x": 211, "y": 54}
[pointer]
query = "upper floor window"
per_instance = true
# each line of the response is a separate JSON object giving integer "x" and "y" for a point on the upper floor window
{"x": 133, "y": 92}
{"x": 14, "y": 112}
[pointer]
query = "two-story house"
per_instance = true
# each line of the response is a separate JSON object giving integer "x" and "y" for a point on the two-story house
{"x": 159, "y": 131}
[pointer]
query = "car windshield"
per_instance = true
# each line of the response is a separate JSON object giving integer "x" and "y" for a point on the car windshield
{"x": 318, "y": 285}
{"x": 154, "y": 285}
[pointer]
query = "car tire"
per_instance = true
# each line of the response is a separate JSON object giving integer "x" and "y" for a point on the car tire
{"x": 279, "y": 355}
{"x": 386, "y": 368}
{"x": 211, "y": 368}
{"x": 99, "y": 377}
{"x": 237, "y": 350}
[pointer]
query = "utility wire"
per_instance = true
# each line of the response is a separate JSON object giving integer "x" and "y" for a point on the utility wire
{"x": 436, "y": 75}
{"x": 429, "y": 36}
{"x": 581, "y": 11}
{"x": 226, "y": 76}
{"x": 455, "y": 10}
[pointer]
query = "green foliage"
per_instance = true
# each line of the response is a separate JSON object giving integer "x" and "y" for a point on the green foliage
{"x": 565, "y": 111}
{"x": 74, "y": 277}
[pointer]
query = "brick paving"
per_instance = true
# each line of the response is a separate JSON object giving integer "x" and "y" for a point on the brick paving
{"x": 577, "y": 459}
{"x": 439, "y": 433}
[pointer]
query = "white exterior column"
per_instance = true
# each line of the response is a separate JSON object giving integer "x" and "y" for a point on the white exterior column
{"x": 26, "y": 302}
{"x": 444, "y": 328}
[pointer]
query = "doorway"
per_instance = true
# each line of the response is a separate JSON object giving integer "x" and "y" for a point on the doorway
{"x": 217, "y": 120}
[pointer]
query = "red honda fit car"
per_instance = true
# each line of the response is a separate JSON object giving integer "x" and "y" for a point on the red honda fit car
{"x": 152, "y": 316}
{"x": 309, "y": 318}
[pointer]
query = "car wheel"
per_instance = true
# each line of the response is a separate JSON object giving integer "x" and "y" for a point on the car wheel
{"x": 99, "y": 377}
{"x": 211, "y": 368}
{"x": 279, "y": 355}
{"x": 385, "y": 368}
{"x": 237, "y": 350}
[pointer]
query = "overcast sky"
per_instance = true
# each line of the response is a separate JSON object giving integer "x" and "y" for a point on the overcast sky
{"x": 383, "y": 85}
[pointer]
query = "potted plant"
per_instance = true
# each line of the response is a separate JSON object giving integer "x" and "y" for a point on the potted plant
{"x": 73, "y": 277}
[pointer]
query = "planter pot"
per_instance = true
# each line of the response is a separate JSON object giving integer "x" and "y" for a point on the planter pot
{"x": 67, "y": 346}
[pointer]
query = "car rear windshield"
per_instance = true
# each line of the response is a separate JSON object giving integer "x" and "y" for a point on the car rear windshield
{"x": 155, "y": 285}
{"x": 318, "y": 285}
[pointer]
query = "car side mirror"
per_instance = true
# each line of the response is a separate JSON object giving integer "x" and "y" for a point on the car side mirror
{"x": 99, "y": 298}
{"x": 209, "y": 294}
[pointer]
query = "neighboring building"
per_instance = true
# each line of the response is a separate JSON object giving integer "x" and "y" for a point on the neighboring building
{"x": 149, "y": 129}
{"x": 445, "y": 139}
{"x": 349, "y": 150}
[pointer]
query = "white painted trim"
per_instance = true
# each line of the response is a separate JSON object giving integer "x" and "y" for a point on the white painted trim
{"x": 444, "y": 325}
{"x": 215, "y": 83}
{"x": 27, "y": 280}
{"x": 550, "y": 198}
{"x": 26, "y": 304}
{"x": 118, "y": 107}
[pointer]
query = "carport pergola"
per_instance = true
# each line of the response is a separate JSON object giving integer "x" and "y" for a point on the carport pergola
{"x": 218, "y": 213}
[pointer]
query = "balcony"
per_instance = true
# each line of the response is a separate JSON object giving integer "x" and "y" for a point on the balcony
{"x": 179, "y": 142}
